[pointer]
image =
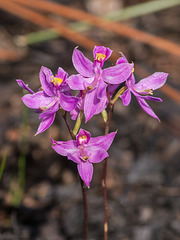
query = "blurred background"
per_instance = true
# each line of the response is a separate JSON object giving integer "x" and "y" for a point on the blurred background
{"x": 40, "y": 194}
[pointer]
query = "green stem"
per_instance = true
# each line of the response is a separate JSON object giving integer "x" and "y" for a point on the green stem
{"x": 78, "y": 122}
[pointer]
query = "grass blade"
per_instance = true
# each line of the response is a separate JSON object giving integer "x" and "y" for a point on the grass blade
{"x": 3, "y": 163}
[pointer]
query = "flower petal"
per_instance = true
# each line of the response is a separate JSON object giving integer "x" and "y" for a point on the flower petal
{"x": 98, "y": 155}
{"x": 82, "y": 132}
{"x": 130, "y": 81}
{"x": 74, "y": 157}
{"x": 37, "y": 100}
{"x": 153, "y": 82}
{"x": 76, "y": 82}
{"x": 118, "y": 73}
{"x": 156, "y": 99}
{"x": 112, "y": 88}
{"x": 68, "y": 102}
{"x": 54, "y": 108}
{"x": 61, "y": 73}
{"x": 85, "y": 169}
{"x": 101, "y": 89}
{"x": 25, "y": 86}
{"x": 101, "y": 54}
{"x": 90, "y": 103}
{"x": 103, "y": 50}
{"x": 103, "y": 102}
{"x": 64, "y": 148}
{"x": 126, "y": 97}
{"x": 79, "y": 107}
{"x": 45, "y": 79}
{"x": 122, "y": 59}
{"x": 146, "y": 107}
{"x": 83, "y": 65}
{"x": 46, "y": 123}
{"x": 103, "y": 142}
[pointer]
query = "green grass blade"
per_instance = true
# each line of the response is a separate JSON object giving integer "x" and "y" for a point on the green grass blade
{"x": 120, "y": 15}
{"x": 3, "y": 164}
{"x": 141, "y": 9}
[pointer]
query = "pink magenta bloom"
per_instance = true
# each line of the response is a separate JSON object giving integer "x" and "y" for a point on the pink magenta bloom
{"x": 53, "y": 94}
{"x": 142, "y": 89}
{"x": 85, "y": 151}
{"x": 93, "y": 80}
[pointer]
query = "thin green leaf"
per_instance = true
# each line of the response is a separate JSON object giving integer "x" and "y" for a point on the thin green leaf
{"x": 3, "y": 164}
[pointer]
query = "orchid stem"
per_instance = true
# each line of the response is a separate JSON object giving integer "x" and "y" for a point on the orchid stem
{"x": 85, "y": 210}
{"x": 107, "y": 125}
{"x": 73, "y": 136}
{"x": 64, "y": 114}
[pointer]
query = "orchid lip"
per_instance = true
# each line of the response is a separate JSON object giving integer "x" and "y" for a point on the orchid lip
{"x": 146, "y": 91}
{"x": 100, "y": 57}
{"x": 56, "y": 81}
{"x": 83, "y": 154}
{"x": 82, "y": 139}
{"x": 85, "y": 158}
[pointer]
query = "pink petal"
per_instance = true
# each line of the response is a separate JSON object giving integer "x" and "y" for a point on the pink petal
{"x": 103, "y": 102}
{"x": 67, "y": 102}
{"x": 37, "y": 100}
{"x": 90, "y": 104}
{"x": 61, "y": 73}
{"x": 98, "y": 155}
{"x": 112, "y": 88}
{"x": 25, "y": 86}
{"x": 45, "y": 123}
{"x": 118, "y": 73}
{"x": 45, "y": 78}
{"x": 54, "y": 108}
{"x": 76, "y": 82}
{"x": 85, "y": 169}
{"x": 74, "y": 157}
{"x": 126, "y": 97}
{"x": 130, "y": 81}
{"x": 153, "y": 82}
{"x": 101, "y": 89}
{"x": 64, "y": 148}
{"x": 122, "y": 59}
{"x": 83, "y": 65}
{"x": 103, "y": 142}
{"x": 146, "y": 107}
{"x": 156, "y": 99}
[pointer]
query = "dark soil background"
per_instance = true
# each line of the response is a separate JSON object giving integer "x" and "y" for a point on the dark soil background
{"x": 144, "y": 166}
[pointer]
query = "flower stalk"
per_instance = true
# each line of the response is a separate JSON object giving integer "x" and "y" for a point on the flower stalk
{"x": 73, "y": 136}
{"x": 104, "y": 188}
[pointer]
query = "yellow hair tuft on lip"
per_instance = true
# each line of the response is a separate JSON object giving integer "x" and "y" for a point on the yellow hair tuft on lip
{"x": 100, "y": 57}
{"x": 56, "y": 81}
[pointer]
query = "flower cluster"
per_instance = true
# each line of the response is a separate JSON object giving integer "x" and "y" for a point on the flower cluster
{"x": 85, "y": 151}
{"x": 96, "y": 85}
